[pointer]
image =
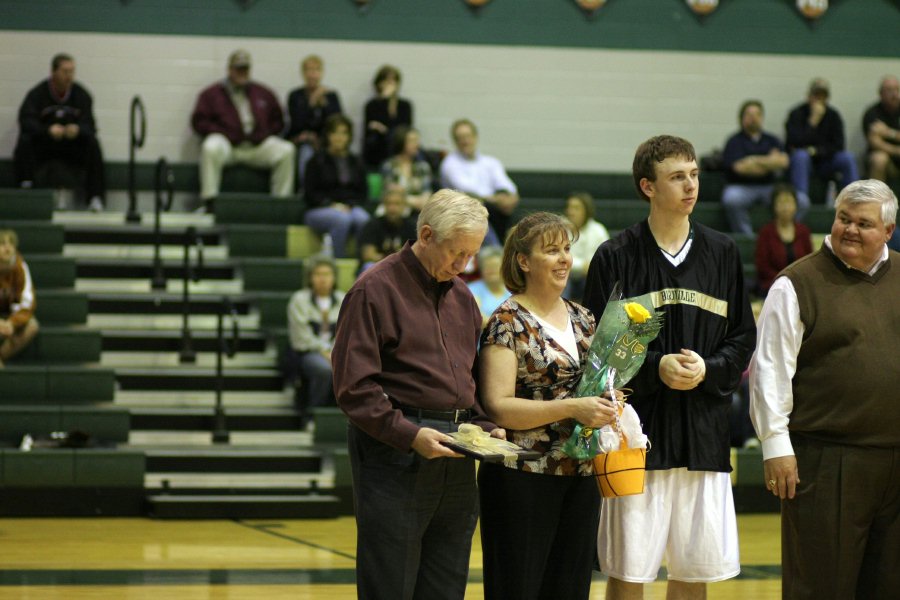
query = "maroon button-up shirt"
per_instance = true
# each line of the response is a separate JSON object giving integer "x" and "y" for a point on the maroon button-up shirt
{"x": 403, "y": 337}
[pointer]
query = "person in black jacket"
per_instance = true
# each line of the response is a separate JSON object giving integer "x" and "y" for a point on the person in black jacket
{"x": 384, "y": 113}
{"x": 815, "y": 141}
{"x": 56, "y": 122}
{"x": 682, "y": 393}
{"x": 336, "y": 186}
{"x": 308, "y": 107}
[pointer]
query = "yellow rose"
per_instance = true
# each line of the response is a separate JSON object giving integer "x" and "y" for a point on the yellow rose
{"x": 636, "y": 312}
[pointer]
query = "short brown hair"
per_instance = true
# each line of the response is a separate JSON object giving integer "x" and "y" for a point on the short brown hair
{"x": 459, "y": 123}
{"x": 57, "y": 61}
{"x": 383, "y": 73}
{"x": 336, "y": 120}
{"x": 654, "y": 151}
{"x": 586, "y": 200}
{"x": 542, "y": 226}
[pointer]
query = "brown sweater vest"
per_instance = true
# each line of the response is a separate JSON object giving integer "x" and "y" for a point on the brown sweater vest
{"x": 847, "y": 384}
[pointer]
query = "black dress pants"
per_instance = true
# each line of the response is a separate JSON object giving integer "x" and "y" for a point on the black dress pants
{"x": 415, "y": 519}
{"x": 538, "y": 534}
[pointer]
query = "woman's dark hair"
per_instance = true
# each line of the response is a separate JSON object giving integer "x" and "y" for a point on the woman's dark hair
{"x": 317, "y": 262}
{"x": 335, "y": 121}
{"x": 398, "y": 138}
{"x": 779, "y": 189}
{"x": 586, "y": 200}
{"x": 383, "y": 73}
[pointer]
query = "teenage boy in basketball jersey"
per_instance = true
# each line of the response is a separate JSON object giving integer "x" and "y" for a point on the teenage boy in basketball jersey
{"x": 683, "y": 391}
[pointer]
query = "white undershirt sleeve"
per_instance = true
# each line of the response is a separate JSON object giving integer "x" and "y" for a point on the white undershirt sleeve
{"x": 779, "y": 335}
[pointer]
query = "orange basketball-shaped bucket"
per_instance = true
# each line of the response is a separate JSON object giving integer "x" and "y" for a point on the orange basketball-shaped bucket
{"x": 621, "y": 472}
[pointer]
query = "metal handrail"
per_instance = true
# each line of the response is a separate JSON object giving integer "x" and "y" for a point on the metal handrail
{"x": 136, "y": 141}
{"x": 228, "y": 347}
{"x": 164, "y": 177}
{"x": 192, "y": 239}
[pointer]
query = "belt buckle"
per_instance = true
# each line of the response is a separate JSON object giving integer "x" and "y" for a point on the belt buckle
{"x": 460, "y": 415}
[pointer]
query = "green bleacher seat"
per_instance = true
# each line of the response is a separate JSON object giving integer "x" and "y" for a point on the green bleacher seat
{"x": 109, "y": 468}
{"x": 331, "y": 425}
{"x": 271, "y": 273}
{"x": 258, "y": 240}
{"x": 61, "y": 306}
{"x": 51, "y": 271}
{"x": 39, "y": 468}
{"x": 104, "y": 424}
{"x": 18, "y": 204}
{"x": 63, "y": 344}
{"x": 36, "y": 237}
{"x": 258, "y": 209}
{"x": 55, "y": 385}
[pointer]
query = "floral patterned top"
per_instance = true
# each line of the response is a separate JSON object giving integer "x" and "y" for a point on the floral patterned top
{"x": 546, "y": 372}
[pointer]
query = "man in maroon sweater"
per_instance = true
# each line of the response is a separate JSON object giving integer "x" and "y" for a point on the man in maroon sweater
{"x": 241, "y": 123}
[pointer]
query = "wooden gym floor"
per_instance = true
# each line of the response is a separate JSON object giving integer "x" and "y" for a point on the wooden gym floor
{"x": 76, "y": 559}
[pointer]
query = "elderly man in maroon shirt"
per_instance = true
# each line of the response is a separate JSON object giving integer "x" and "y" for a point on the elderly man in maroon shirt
{"x": 241, "y": 122}
{"x": 403, "y": 360}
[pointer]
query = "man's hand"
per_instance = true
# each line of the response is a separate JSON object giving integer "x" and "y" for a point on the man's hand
{"x": 428, "y": 444}
{"x": 683, "y": 371}
{"x": 816, "y": 112}
{"x": 72, "y": 131}
{"x": 57, "y": 131}
{"x": 782, "y": 470}
{"x": 498, "y": 433}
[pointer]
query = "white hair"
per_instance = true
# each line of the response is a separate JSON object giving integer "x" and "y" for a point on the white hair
{"x": 870, "y": 190}
{"x": 449, "y": 212}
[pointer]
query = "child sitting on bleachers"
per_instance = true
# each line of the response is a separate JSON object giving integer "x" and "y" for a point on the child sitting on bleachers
{"x": 17, "y": 323}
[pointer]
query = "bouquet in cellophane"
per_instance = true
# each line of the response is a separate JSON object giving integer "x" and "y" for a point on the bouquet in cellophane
{"x": 616, "y": 354}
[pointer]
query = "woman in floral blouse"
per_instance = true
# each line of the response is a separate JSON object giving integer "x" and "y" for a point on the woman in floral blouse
{"x": 538, "y": 520}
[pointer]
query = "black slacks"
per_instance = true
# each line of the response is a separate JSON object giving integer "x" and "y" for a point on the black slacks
{"x": 538, "y": 534}
{"x": 415, "y": 519}
{"x": 83, "y": 152}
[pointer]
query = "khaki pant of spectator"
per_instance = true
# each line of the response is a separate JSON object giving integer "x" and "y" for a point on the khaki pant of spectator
{"x": 272, "y": 153}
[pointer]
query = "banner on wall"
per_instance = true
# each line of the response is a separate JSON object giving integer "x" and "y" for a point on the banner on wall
{"x": 703, "y": 7}
{"x": 590, "y": 7}
{"x": 812, "y": 9}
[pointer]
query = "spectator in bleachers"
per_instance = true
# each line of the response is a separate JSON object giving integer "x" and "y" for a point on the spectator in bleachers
{"x": 17, "y": 301}
{"x": 312, "y": 314}
{"x": 384, "y": 113}
{"x": 480, "y": 176}
{"x": 815, "y": 141}
{"x": 782, "y": 240}
{"x": 489, "y": 291}
{"x": 308, "y": 107}
{"x": 753, "y": 159}
{"x": 241, "y": 122}
{"x": 408, "y": 168}
{"x": 56, "y": 122}
{"x": 336, "y": 186}
{"x": 384, "y": 235}
{"x": 591, "y": 233}
{"x": 881, "y": 125}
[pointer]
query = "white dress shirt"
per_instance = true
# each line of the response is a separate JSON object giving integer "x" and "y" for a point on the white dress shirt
{"x": 772, "y": 368}
{"x": 482, "y": 175}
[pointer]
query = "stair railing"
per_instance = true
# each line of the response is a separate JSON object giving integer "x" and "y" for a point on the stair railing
{"x": 136, "y": 141}
{"x": 164, "y": 182}
{"x": 189, "y": 272}
{"x": 227, "y": 347}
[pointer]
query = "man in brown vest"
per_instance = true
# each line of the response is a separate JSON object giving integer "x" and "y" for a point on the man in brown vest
{"x": 824, "y": 388}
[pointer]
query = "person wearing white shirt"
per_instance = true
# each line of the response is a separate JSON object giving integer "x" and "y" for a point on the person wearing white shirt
{"x": 823, "y": 394}
{"x": 591, "y": 233}
{"x": 481, "y": 176}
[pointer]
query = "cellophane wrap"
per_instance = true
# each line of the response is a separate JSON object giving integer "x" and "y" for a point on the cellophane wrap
{"x": 616, "y": 354}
